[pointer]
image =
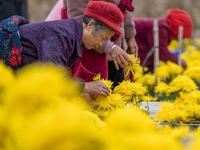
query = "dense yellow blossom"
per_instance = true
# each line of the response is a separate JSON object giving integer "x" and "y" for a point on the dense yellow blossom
{"x": 107, "y": 104}
{"x": 193, "y": 72}
{"x": 161, "y": 87}
{"x": 42, "y": 109}
{"x": 130, "y": 120}
{"x": 162, "y": 71}
{"x": 185, "y": 108}
{"x": 149, "y": 79}
{"x": 169, "y": 112}
{"x": 191, "y": 57}
{"x": 183, "y": 83}
{"x": 168, "y": 69}
{"x": 130, "y": 91}
{"x": 102, "y": 102}
{"x": 174, "y": 69}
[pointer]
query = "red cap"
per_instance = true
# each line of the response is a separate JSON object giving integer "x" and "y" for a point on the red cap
{"x": 105, "y": 12}
{"x": 178, "y": 18}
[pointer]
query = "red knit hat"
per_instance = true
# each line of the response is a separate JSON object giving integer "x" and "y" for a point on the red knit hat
{"x": 105, "y": 12}
{"x": 178, "y": 18}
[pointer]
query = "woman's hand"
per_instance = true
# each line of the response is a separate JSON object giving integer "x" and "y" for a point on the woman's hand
{"x": 96, "y": 88}
{"x": 119, "y": 57}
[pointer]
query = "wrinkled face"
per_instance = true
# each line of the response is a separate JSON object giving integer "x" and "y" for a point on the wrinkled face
{"x": 92, "y": 41}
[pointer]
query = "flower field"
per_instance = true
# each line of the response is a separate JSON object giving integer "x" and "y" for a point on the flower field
{"x": 41, "y": 109}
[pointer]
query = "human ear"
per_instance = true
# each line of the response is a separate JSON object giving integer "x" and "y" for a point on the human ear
{"x": 90, "y": 25}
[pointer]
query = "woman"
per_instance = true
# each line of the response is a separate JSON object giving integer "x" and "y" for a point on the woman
{"x": 168, "y": 30}
{"x": 120, "y": 43}
{"x": 59, "y": 41}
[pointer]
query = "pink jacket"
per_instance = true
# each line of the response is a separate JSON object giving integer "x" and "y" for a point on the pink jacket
{"x": 55, "y": 13}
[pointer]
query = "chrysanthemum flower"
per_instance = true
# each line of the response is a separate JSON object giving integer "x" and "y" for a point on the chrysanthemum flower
{"x": 174, "y": 69}
{"x": 132, "y": 67}
{"x": 128, "y": 121}
{"x": 161, "y": 87}
{"x": 184, "y": 83}
{"x": 193, "y": 72}
{"x": 162, "y": 72}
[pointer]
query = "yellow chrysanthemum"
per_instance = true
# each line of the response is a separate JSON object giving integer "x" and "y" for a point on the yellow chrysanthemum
{"x": 162, "y": 72}
{"x": 128, "y": 120}
{"x": 130, "y": 88}
{"x": 107, "y": 104}
{"x": 102, "y": 102}
{"x": 173, "y": 68}
{"x": 182, "y": 83}
{"x": 193, "y": 72}
{"x": 161, "y": 87}
{"x": 116, "y": 100}
{"x": 132, "y": 67}
{"x": 149, "y": 79}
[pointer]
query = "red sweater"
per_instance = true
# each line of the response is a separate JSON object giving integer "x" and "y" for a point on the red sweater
{"x": 144, "y": 39}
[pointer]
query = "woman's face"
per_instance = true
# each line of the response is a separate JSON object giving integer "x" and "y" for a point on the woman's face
{"x": 92, "y": 41}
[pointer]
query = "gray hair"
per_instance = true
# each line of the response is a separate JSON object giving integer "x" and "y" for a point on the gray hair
{"x": 99, "y": 27}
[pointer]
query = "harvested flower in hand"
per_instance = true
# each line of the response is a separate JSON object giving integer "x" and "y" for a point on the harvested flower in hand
{"x": 134, "y": 66}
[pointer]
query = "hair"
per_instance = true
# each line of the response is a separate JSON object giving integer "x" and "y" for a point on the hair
{"x": 98, "y": 25}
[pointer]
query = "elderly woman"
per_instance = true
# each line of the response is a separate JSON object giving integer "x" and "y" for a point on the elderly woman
{"x": 60, "y": 41}
{"x": 109, "y": 56}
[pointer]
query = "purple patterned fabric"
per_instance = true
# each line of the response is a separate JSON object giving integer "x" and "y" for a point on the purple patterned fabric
{"x": 58, "y": 41}
{"x": 10, "y": 45}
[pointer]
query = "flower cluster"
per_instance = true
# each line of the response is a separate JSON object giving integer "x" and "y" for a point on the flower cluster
{"x": 42, "y": 109}
{"x": 180, "y": 84}
{"x": 168, "y": 71}
{"x": 125, "y": 94}
{"x": 186, "y": 107}
{"x": 103, "y": 105}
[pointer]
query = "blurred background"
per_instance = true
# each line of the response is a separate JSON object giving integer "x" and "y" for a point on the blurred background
{"x": 38, "y": 10}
